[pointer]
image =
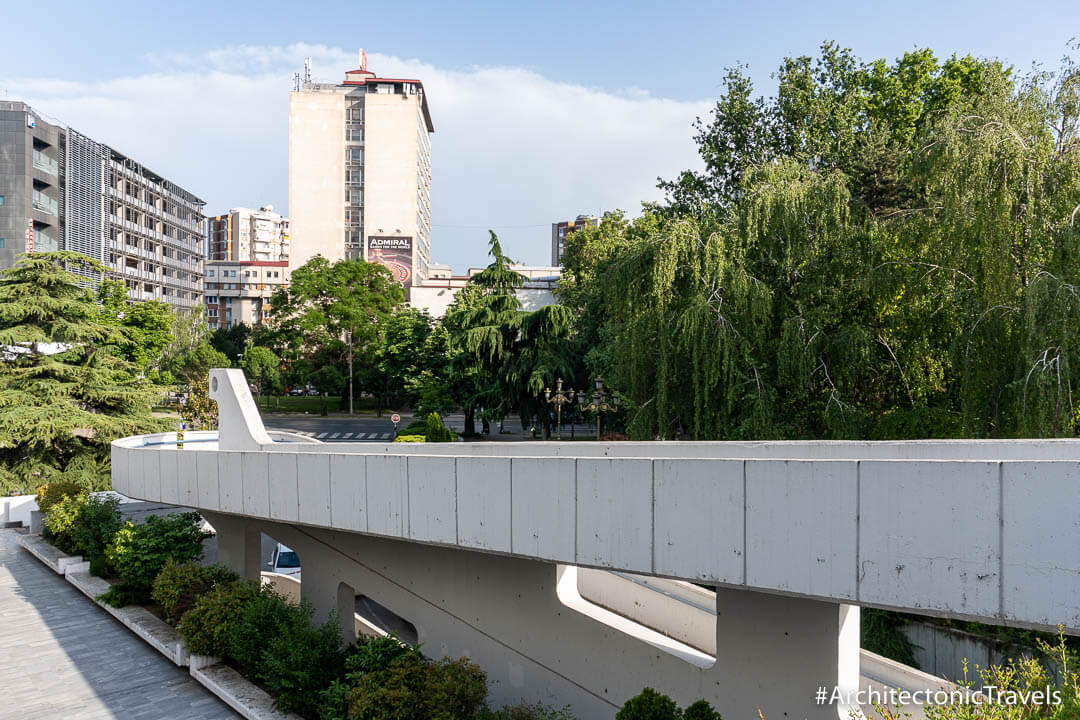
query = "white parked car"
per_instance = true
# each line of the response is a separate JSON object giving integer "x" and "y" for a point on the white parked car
{"x": 285, "y": 562}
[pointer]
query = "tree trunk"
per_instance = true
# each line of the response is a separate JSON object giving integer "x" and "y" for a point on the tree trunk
{"x": 470, "y": 421}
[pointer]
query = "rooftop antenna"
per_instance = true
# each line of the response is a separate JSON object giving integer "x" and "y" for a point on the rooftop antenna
{"x": 296, "y": 82}
{"x": 363, "y": 60}
{"x": 307, "y": 70}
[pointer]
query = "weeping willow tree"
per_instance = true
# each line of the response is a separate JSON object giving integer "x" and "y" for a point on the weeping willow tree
{"x": 898, "y": 260}
{"x": 66, "y": 391}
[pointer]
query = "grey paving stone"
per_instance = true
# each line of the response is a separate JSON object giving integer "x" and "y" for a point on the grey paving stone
{"x": 62, "y": 657}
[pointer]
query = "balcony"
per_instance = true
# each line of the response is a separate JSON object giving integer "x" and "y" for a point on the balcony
{"x": 44, "y": 203}
{"x": 45, "y": 163}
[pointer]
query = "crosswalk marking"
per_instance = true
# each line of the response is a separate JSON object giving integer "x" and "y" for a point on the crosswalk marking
{"x": 360, "y": 436}
{"x": 335, "y": 436}
{"x": 321, "y": 435}
{"x": 385, "y": 436}
{"x": 346, "y": 436}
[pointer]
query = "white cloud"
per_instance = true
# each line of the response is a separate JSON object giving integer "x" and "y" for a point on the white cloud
{"x": 512, "y": 149}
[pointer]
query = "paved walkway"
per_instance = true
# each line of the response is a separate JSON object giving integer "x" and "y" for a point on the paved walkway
{"x": 61, "y": 657}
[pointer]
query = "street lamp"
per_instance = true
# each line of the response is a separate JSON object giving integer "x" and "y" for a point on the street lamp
{"x": 560, "y": 398}
{"x": 349, "y": 333}
{"x": 599, "y": 402}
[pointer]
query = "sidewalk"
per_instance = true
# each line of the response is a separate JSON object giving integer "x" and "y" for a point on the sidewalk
{"x": 61, "y": 657}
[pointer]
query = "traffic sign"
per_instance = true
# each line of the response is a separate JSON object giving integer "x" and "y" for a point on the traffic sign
{"x": 395, "y": 418}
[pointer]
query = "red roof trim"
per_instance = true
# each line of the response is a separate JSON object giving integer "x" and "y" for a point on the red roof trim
{"x": 250, "y": 263}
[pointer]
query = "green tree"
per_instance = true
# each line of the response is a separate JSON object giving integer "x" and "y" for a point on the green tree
{"x": 500, "y": 357}
{"x": 397, "y": 357}
{"x": 262, "y": 367}
{"x": 148, "y": 325}
{"x": 232, "y": 341}
{"x": 325, "y": 303}
{"x": 891, "y": 255}
{"x": 195, "y": 364}
{"x": 63, "y": 396}
{"x": 480, "y": 324}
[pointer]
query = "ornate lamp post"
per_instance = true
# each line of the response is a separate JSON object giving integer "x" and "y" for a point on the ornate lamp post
{"x": 599, "y": 402}
{"x": 559, "y": 398}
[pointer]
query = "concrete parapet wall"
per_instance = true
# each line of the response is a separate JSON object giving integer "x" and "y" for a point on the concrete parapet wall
{"x": 973, "y": 539}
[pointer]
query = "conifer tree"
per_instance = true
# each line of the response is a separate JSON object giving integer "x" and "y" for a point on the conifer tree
{"x": 65, "y": 394}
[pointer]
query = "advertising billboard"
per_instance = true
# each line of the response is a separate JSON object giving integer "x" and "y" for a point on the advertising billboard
{"x": 393, "y": 252}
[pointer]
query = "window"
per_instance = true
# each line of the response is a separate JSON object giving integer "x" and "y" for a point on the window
{"x": 211, "y": 273}
{"x": 2, "y": 201}
{"x": 1, "y": 243}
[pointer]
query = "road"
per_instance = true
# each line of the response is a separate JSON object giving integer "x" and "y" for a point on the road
{"x": 367, "y": 428}
{"x": 336, "y": 428}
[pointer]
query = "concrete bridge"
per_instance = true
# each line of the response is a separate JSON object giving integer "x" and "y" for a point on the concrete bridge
{"x": 478, "y": 546}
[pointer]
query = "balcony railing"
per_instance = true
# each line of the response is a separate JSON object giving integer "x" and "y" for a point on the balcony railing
{"x": 45, "y": 163}
{"x": 44, "y": 203}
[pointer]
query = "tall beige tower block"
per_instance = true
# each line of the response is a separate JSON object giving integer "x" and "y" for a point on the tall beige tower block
{"x": 360, "y": 173}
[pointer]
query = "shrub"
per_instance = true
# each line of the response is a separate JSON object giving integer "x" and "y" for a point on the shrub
{"x": 97, "y": 520}
{"x": 258, "y": 621}
{"x": 527, "y": 712}
{"x": 700, "y": 710}
{"x": 207, "y": 625}
{"x": 368, "y": 654}
{"x": 139, "y": 552}
{"x": 652, "y": 705}
{"x": 61, "y": 518}
{"x": 435, "y": 431}
{"x": 179, "y": 585}
{"x": 52, "y": 493}
{"x": 1023, "y": 680}
{"x": 412, "y": 688}
{"x": 649, "y": 705}
{"x": 456, "y": 689}
{"x": 300, "y": 661}
{"x": 410, "y": 438}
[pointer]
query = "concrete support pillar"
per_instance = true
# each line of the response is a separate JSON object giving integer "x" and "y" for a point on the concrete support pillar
{"x": 773, "y": 653}
{"x": 239, "y": 544}
{"x": 321, "y": 586}
{"x": 346, "y": 604}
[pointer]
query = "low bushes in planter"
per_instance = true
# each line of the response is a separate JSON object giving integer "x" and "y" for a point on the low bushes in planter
{"x": 51, "y": 493}
{"x": 139, "y": 552}
{"x": 81, "y": 524}
{"x": 275, "y": 643}
{"x": 415, "y": 688}
{"x": 60, "y": 519}
{"x": 652, "y": 705}
{"x": 207, "y": 625}
{"x": 527, "y": 712}
{"x": 179, "y": 585}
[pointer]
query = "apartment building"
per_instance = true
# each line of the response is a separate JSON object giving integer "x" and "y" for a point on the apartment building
{"x": 360, "y": 172}
{"x": 30, "y": 190}
{"x": 240, "y": 291}
{"x": 560, "y": 230}
{"x": 244, "y": 234}
{"x": 61, "y": 190}
{"x": 247, "y": 262}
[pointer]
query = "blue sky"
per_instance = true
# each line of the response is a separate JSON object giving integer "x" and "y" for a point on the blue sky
{"x": 542, "y": 110}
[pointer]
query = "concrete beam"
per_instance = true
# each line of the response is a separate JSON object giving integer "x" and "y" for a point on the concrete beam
{"x": 505, "y": 614}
